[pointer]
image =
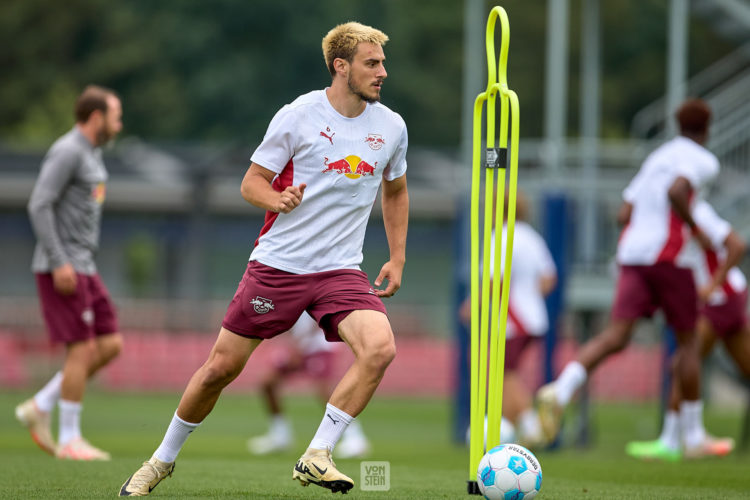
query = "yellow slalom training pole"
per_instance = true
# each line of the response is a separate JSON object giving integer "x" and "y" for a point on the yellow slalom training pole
{"x": 489, "y": 309}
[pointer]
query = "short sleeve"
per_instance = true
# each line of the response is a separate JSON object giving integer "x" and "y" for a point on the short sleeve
{"x": 545, "y": 263}
{"x": 628, "y": 194}
{"x": 699, "y": 173}
{"x": 712, "y": 225}
{"x": 397, "y": 164}
{"x": 278, "y": 145}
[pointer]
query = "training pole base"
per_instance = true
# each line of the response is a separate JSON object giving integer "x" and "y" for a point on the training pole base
{"x": 472, "y": 488}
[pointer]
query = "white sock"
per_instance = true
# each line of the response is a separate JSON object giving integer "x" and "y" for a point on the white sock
{"x": 49, "y": 395}
{"x": 280, "y": 427}
{"x": 331, "y": 427}
{"x": 177, "y": 433}
{"x": 570, "y": 380}
{"x": 70, "y": 421}
{"x": 691, "y": 422}
{"x": 507, "y": 431}
{"x": 670, "y": 431}
{"x": 529, "y": 424}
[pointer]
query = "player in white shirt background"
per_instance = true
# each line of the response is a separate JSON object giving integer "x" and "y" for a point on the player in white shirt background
{"x": 306, "y": 354}
{"x": 317, "y": 173}
{"x": 722, "y": 291}
{"x": 533, "y": 277}
{"x": 653, "y": 273}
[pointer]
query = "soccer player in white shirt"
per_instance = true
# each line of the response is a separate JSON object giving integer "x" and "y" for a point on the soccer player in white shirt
{"x": 317, "y": 173}
{"x": 653, "y": 273}
{"x": 533, "y": 277}
{"x": 722, "y": 289}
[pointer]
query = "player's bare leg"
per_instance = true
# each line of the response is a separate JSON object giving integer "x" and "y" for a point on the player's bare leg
{"x": 225, "y": 361}
{"x": 369, "y": 335}
{"x": 669, "y": 443}
{"x": 518, "y": 409}
{"x": 81, "y": 361}
{"x": 614, "y": 338}
{"x": 108, "y": 347}
{"x": 690, "y": 348}
{"x": 80, "y": 358}
{"x": 552, "y": 398}
{"x": 738, "y": 346}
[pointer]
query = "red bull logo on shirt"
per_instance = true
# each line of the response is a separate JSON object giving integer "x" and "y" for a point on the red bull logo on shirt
{"x": 99, "y": 192}
{"x": 352, "y": 167}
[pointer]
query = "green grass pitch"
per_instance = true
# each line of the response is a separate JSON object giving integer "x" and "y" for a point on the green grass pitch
{"x": 412, "y": 434}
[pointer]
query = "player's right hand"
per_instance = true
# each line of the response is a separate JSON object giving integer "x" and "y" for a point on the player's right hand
{"x": 64, "y": 279}
{"x": 290, "y": 198}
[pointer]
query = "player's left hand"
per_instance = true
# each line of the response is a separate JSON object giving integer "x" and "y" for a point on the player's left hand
{"x": 705, "y": 292}
{"x": 392, "y": 272}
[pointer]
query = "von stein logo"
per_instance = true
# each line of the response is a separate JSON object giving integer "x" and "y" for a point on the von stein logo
{"x": 375, "y": 476}
{"x": 375, "y": 141}
{"x": 262, "y": 305}
{"x": 352, "y": 167}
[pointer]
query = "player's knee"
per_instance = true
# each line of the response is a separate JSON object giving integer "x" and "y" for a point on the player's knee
{"x": 381, "y": 355}
{"x": 217, "y": 373}
{"x": 84, "y": 353}
{"x": 114, "y": 347}
{"x": 106, "y": 349}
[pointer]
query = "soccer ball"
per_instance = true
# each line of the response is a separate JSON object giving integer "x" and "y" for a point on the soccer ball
{"x": 509, "y": 472}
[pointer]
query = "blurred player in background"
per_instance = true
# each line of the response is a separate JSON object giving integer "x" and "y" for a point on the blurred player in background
{"x": 336, "y": 147}
{"x": 533, "y": 277}
{"x": 308, "y": 354}
{"x": 653, "y": 273}
{"x": 65, "y": 210}
{"x": 722, "y": 290}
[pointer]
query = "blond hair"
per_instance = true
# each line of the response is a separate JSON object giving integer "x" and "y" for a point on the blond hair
{"x": 342, "y": 41}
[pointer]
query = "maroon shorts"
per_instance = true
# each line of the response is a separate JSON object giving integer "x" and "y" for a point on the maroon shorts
{"x": 317, "y": 364}
{"x": 514, "y": 348}
{"x": 269, "y": 301}
{"x": 729, "y": 317}
{"x": 86, "y": 313}
{"x": 642, "y": 290}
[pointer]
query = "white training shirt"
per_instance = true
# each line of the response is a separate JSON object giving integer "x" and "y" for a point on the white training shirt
{"x": 655, "y": 232}
{"x": 343, "y": 161}
{"x": 705, "y": 262}
{"x": 309, "y": 337}
{"x": 531, "y": 262}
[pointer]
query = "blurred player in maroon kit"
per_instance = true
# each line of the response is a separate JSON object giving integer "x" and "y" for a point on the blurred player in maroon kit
{"x": 307, "y": 355}
{"x": 722, "y": 289}
{"x": 65, "y": 210}
{"x": 654, "y": 272}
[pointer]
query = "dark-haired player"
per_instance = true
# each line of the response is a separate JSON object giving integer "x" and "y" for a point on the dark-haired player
{"x": 653, "y": 271}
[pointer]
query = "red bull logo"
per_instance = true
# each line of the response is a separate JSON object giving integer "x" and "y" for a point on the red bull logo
{"x": 352, "y": 167}
{"x": 99, "y": 192}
